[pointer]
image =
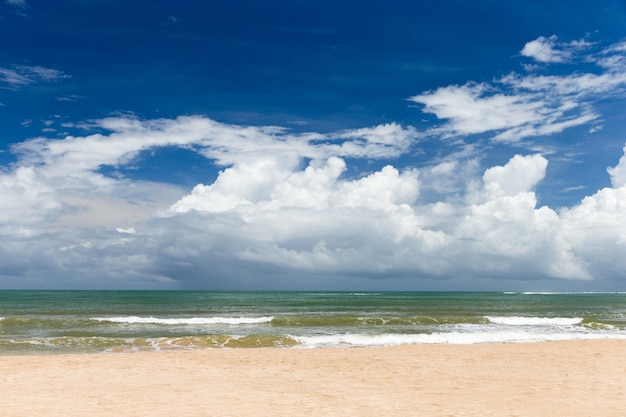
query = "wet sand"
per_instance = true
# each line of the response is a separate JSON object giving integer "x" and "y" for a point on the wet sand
{"x": 574, "y": 378}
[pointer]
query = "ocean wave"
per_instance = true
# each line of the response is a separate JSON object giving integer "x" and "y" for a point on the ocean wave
{"x": 99, "y": 344}
{"x": 461, "y": 338}
{"x": 568, "y": 292}
{"x": 535, "y": 321}
{"x": 185, "y": 321}
{"x": 544, "y": 293}
{"x": 361, "y": 321}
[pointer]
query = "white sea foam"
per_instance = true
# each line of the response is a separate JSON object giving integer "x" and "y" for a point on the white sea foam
{"x": 185, "y": 321}
{"x": 461, "y": 338}
{"x": 571, "y": 292}
{"x": 535, "y": 321}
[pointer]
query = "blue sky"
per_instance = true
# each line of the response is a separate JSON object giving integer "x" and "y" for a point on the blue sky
{"x": 313, "y": 145}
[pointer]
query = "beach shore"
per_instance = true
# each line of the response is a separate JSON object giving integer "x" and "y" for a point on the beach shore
{"x": 574, "y": 378}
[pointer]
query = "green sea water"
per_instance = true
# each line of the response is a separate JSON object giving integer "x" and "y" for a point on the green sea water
{"x": 49, "y": 322}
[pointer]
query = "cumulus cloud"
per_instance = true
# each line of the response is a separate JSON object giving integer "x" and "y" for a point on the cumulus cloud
{"x": 284, "y": 211}
{"x": 618, "y": 173}
{"x": 291, "y": 218}
{"x": 520, "y": 175}
{"x": 26, "y": 200}
{"x": 266, "y": 185}
{"x": 497, "y": 231}
{"x": 376, "y": 225}
{"x": 596, "y": 229}
{"x": 65, "y": 174}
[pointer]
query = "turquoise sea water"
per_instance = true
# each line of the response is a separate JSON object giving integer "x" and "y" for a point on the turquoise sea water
{"x": 47, "y": 322}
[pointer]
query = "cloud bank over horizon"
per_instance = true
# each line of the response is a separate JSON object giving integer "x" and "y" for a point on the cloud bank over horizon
{"x": 296, "y": 210}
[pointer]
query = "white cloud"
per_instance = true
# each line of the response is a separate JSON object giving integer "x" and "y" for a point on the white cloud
{"x": 16, "y": 3}
{"x": 478, "y": 108}
{"x": 618, "y": 173}
{"x": 568, "y": 89}
{"x": 70, "y": 98}
{"x": 474, "y": 109}
{"x": 520, "y": 175}
{"x": 596, "y": 231}
{"x": 263, "y": 200}
{"x": 13, "y": 79}
{"x": 20, "y": 4}
{"x": 284, "y": 213}
{"x": 56, "y": 180}
{"x": 549, "y": 50}
{"x": 271, "y": 222}
{"x": 516, "y": 106}
{"x": 26, "y": 201}
{"x": 543, "y": 49}
{"x": 22, "y": 75}
{"x": 40, "y": 73}
{"x": 265, "y": 185}
{"x": 376, "y": 226}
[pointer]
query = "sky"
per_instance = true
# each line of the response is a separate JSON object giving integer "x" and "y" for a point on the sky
{"x": 313, "y": 145}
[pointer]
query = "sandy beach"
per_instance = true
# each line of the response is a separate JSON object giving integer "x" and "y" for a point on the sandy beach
{"x": 574, "y": 378}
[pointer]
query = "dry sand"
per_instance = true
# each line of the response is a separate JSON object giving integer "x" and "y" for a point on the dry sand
{"x": 582, "y": 378}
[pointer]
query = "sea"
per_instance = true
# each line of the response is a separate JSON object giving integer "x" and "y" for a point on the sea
{"x": 59, "y": 322}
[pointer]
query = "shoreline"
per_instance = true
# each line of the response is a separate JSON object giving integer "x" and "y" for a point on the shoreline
{"x": 301, "y": 348}
{"x": 573, "y": 378}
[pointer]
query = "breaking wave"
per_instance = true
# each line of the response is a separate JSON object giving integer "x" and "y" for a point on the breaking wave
{"x": 535, "y": 321}
{"x": 185, "y": 321}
